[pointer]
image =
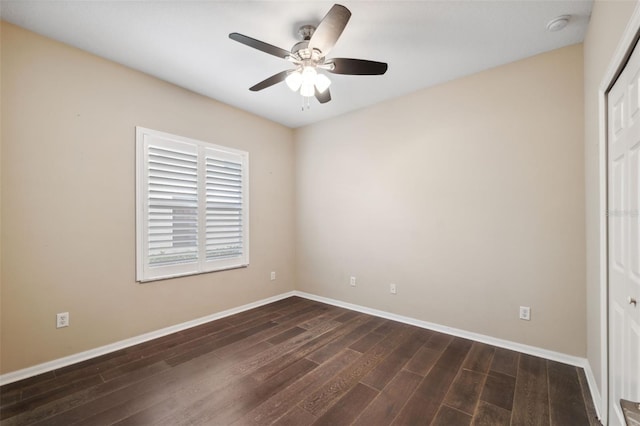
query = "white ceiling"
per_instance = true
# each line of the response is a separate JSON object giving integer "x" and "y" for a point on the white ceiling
{"x": 186, "y": 43}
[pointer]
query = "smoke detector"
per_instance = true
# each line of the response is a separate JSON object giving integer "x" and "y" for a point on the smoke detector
{"x": 558, "y": 23}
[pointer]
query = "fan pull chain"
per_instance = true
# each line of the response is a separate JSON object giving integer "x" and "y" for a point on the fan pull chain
{"x": 306, "y": 103}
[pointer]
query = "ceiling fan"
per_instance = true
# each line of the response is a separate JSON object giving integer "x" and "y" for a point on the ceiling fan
{"x": 310, "y": 56}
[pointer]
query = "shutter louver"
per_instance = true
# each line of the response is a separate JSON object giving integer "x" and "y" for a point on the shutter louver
{"x": 173, "y": 206}
{"x": 224, "y": 215}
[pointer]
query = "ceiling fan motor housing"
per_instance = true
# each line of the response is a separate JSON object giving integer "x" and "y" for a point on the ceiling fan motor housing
{"x": 306, "y": 31}
{"x": 301, "y": 49}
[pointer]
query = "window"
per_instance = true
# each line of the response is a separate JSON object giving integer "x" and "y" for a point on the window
{"x": 192, "y": 206}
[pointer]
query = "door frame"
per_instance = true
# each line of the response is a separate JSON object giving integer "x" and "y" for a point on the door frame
{"x": 619, "y": 59}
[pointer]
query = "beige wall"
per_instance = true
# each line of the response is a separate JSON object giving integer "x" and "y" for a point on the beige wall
{"x": 608, "y": 21}
{"x": 68, "y": 235}
{"x": 469, "y": 196}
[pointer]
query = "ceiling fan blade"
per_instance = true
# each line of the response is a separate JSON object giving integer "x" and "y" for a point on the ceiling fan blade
{"x": 274, "y": 79}
{"x": 356, "y": 66}
{"x": 260, "y": 45}
{"x": 329, "y": 29}
{"x": 323, "y": 97}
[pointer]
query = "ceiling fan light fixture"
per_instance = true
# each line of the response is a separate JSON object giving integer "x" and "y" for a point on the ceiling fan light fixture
{"x": 307, "y": 81}
{"x": 294, "y": 81}
{"x": 307, "y": 90}
{"x": 309, "y": 75}
{"x": 322, "y": 83}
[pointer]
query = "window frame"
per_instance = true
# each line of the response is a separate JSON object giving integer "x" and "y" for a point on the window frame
{"x": 144, "y": 271}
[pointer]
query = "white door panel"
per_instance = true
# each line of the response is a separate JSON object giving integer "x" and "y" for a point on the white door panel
{"x": 623, "y": 153}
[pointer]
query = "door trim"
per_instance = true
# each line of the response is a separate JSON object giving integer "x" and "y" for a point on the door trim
{"x": 629, "y": 38}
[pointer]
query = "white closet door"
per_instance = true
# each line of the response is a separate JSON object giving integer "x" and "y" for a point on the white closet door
{"x": 624, "y": 238}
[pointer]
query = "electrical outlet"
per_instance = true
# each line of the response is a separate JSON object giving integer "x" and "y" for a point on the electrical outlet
{"x": 352, "y": 281}
{"x": 393, "y": 289}
{"x": 62, "y": 320}
{"x": 525, "y": 313}
{"x": 273, "y": 275}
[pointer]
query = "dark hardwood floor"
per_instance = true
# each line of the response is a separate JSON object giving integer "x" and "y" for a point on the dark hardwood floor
{"x": 299, "y": 362}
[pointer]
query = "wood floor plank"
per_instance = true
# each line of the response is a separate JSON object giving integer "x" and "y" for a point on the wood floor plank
{"x": 156, "y": 402}
{"x": 322, "y": 399}
{"x": 438, "y": 342}
{"x": 249, "y": 395}
{"x": 96, "y": 366}
{"x": 281, "y": 350}
{"x": 137, "y": 359}
{"x": 278, "y": 404}
{"x": 175, "y": 380}
{"x": 505, "y": 361}
{"x": 448, "y": 416}
{"x": 465, "y": 391}
{"x": 286, "y": 335}
{"x": 387, "y": 327}
{"x": 284, "y": 305}
{"x": 386, "y": 406}
{"x": 139, "y": 394}
{"x": 392, "y": 364}
{"x": 423, "y": 360}
{"x": 531, "y": 399}
{"x": 47, "y": 397}
{"x": 64, "y": 409}
{"x": 480, "y": 357}
{"x": 425, "y": 401}
{"x": 499, "y": 390}
{"x": 326, "y": 352}
{"x": 205, "y": 346}
{"x": 490, "y": 415}
{"x": 19, "y": 385}
{"x": 299, "y": 310}
{"x": 9, "y": 398}
{"x": 348, "y": 407}
{"x": 565, "y": 395}
{"x": 330, "y": 313}
{"x": 210, "y": 387}
{"x": 367, "y": 342}
{"x": 149, "y": 353}
{"x": 218, "y": 380}
{"x": 347, "y": 316}
{"x": 268, "y": 369}
{"x": 248, "y": 342}
{"x": 296, "y": 417}
{"x": 243, "y": 392}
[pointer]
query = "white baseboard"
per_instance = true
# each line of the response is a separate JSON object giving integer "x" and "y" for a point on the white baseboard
{"x": 593, "y": 387}
{"x": 519, "y": 347}
{"x": 14, "y": 376}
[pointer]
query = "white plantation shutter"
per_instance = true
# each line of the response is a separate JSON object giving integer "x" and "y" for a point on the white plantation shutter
{"x": 224, "y": 183}
{"x": 172, "y": 220}
{"x": 192, "y": 206}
